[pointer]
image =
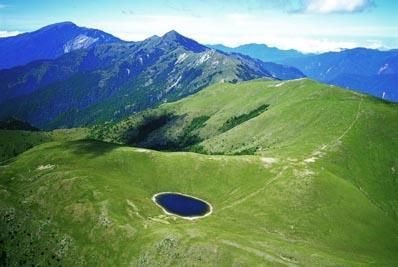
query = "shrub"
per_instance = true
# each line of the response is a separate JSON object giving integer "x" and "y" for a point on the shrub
{"x": 236, "y": 120}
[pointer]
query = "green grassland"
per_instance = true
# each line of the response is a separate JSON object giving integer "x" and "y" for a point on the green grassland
{"x": 319, "y": 188}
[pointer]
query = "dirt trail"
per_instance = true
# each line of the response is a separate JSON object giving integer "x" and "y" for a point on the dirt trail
{"x": 233, "y": 204}
{"x": 319, "y": 153}
{"x": 311, "y": 158}
{"x": 259, "y": 253}
{"x": 353, "y": 122}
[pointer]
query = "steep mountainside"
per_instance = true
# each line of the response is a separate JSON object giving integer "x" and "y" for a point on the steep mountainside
{"x": 320, "y": 190}
{"x": 49, "y": 42}
{"x": 110, "y": 81}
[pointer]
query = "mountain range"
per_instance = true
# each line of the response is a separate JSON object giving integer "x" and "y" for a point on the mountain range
{"x": 369, "y": 71}
{"x": 108, "y": 81}
{"x": 75, "y": 76}
{"x": 366, "y": 70}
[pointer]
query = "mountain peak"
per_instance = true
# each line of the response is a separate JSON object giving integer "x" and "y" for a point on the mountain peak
{"x": 173, "y": 35}
{"x": 59, "y": 25}
{"x": 255, "y": 45}
{"x": 189, "y": 44}
{"x": 64, "y": 23}
{"x": 49, "y": 42}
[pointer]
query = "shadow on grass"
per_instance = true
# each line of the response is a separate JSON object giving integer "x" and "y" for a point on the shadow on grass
{"x": 88, "y": 148}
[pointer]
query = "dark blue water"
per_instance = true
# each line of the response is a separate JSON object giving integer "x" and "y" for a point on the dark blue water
{"x": 182, "y": 205}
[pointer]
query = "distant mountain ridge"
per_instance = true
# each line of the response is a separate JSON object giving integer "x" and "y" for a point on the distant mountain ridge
{"x": 49, "y": 42}
{"x": 260, "y": 51}
{"x": 370, "y": 71}
{"x": 109, "y": 81}
{"x": 365, "y": 70}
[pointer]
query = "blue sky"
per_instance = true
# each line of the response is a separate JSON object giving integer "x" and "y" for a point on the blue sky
{"x": 306, "y": 25}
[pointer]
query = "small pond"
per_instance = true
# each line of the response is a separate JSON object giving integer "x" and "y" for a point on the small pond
{"x": 184, "y": 206}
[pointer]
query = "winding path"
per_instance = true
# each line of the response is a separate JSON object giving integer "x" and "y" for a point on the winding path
{"x": 289, "y": 164}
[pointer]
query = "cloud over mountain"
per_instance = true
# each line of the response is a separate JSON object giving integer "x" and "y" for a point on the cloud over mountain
{"x": 8, "y": 33}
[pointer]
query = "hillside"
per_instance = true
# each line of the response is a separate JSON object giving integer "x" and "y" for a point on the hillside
{"x": 258, "y": 116}
{"x": 110, "y": 81}
{"x": 49, "y": 42}
{"x": 320, "y": 190}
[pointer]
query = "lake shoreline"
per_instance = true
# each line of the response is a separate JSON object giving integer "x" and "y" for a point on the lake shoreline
{"x": 190, "y": 218}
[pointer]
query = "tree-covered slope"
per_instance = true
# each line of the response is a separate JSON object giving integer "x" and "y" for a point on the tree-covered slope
{"x": 15, "y": 142}
{"x": 14, "y": 124}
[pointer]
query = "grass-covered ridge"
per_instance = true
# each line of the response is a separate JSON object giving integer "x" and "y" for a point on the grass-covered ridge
{"x": 297, "y": 114}
{"x": 321, "y": 189}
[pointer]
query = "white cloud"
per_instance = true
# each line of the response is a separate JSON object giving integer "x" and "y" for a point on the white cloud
{"x": 236, "y": 29}
{"x": 8, "y": 33}
{"x": 334, "y": 6}
{"x": 315, "y": 45}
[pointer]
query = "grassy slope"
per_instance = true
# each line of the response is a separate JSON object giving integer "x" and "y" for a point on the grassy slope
{"x": 321, "y": 191}
{"x": 302, "y": 115}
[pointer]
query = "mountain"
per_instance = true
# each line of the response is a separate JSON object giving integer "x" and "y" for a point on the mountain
{"x": 108, "y": 82}
{"x": 260, "y": 51}
{"x": 366, "y": 70}
{"x": 320, "y": 188}
{"x": 48, "y": 43}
